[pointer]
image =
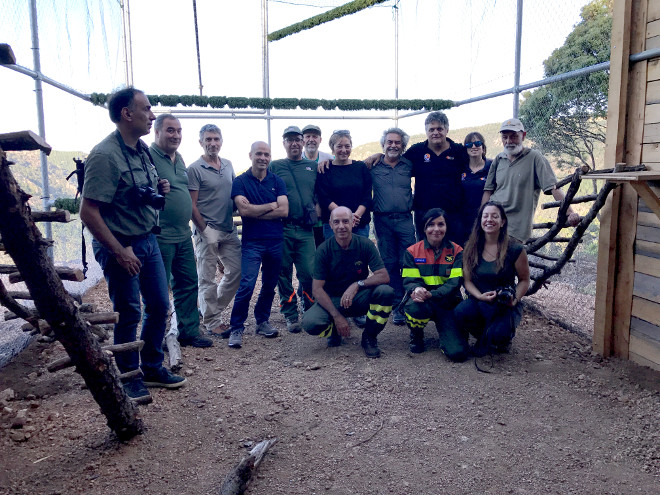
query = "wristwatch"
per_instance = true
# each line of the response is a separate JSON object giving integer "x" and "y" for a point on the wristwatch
{"x": 360, "y": 284}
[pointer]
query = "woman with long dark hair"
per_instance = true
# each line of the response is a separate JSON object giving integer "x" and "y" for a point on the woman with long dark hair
{"x": 473, "y": 180}
{"x": 491, "y": 264}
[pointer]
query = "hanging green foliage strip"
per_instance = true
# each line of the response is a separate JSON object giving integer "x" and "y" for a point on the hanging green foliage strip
{"x": 285, "y": 103}
{"x": 346, "y": 9}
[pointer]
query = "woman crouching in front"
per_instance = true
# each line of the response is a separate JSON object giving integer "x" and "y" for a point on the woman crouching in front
{"x": 432, "y": 275}
{"x": 491, "y": 262}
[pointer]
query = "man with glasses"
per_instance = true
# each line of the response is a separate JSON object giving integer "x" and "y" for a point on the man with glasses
{"x": 299, "y": 176}
{"x": 216, "y": 240}
{"x": 312, "y": 140}
{"x": 516, "y": 178}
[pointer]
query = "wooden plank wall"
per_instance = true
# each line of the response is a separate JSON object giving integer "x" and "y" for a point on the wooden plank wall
{"x": 644, "y": 344}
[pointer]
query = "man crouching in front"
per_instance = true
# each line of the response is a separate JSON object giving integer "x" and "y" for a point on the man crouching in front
{"x": 342, "y": 286}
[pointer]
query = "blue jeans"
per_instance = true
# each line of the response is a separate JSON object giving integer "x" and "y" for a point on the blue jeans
{"x": 264, "y": 253}
{"x": 395, "y": 232}
{"x": 329, "y": 234}
{"x": 491, "y": 323}
{"x": 125, "y": 291}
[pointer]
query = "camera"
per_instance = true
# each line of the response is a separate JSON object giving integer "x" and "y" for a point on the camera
{"x": 148, "y": 196}
{"x": 505, "y": 295}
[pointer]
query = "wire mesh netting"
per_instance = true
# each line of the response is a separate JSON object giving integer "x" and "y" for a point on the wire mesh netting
{"x": 446, "y": 49}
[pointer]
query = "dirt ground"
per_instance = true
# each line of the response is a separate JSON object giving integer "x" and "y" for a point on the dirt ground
{"x": 552, "y": 417}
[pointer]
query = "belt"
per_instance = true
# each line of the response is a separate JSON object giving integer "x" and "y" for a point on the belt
{"x": 127, "y": 240}
{"x": 297, "y": 223}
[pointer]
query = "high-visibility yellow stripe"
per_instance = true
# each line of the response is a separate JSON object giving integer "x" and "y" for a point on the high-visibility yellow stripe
{"x": 327, "y": 331}
{"x": 376, "y": 318}
{"x": 434, "y": 280}
{"x": 456, "y": 272}
{"x": 378, "y": 307}
{"x": 410, "y": 272}
{"x": 415, "y": 320}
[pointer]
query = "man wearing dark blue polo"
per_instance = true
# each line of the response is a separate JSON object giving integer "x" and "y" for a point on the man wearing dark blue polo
{"x": 261, "y": 200}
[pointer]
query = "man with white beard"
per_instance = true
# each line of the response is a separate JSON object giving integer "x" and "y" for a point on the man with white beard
{"x": 516, "y": 178}
{"x": 393, "y": 202}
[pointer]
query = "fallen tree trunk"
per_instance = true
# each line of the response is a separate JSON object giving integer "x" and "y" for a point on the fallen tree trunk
{"x": 26, "y": 246}
{"x": 238, "y": 478}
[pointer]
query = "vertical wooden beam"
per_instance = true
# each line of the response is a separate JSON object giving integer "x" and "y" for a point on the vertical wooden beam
{"x": 614, "y": 153}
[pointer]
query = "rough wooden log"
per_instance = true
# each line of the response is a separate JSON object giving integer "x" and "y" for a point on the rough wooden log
{"x": 100, "y": 332}
{"x": 555, "y": 239}
{"x": 580, "y": 199}
{"x": 23, "y": 141}
{"x": 23, "y": 294}
{"x": 237, "y": 480}
{"x": 15, "y": 308}
{"x": 66, "y": 362}
{"x": 87, "y": 308}
{"x": 7, "y": 56}
{"x": 61, "y": 216}
{"x": 131, "y": 374}
{"x": 92, "y": 318}
{"x": 24, "y": 243}
{"x": 575, "y": 239}
{"x": 546, "y": 257}
{"x": 64, "y": 272}
{"x": 585, "y": 176}
{"x": 541, "y": 266}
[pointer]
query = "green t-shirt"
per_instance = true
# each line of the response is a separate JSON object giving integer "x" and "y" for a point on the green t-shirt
{"x": 175, "y": 218}
{"x": 108, "y": 180}
{"x": 341, "y": 267}
{"x": 305, "y": 176}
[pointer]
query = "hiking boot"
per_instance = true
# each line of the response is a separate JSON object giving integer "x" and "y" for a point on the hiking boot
{"x": 196, "y": 341}
{"x": 360, "y": 321}
{"x": 135, "y": 389}
{"x": 417, "y": 342}
{"x": 293, "y": 326}
{"x": 163, "y": 378}
{"x": 370, "y": 346}
{"x": 398, "y": 318}
{"x": 236, "y": 339}
{"x": 335, "y": 339}
{"x": 267, "y": 330}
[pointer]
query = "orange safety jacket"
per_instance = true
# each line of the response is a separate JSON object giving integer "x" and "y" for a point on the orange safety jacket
{"x": 441, "y": 275}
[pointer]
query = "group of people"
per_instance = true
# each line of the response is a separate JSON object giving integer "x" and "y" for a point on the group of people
{"x": 462, "y": 226}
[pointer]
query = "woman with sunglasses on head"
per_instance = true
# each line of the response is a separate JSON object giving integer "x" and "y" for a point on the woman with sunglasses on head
{"x": 347, "y": 183}
{"x": 473, "y": 180}
{"x": 491, "y": 263}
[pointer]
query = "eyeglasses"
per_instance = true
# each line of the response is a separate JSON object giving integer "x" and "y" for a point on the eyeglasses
{"x": 293, "y": 140}
{"x": 478, "y": 144}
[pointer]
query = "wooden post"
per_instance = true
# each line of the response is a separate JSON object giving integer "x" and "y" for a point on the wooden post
{"x": 25, "y": 245}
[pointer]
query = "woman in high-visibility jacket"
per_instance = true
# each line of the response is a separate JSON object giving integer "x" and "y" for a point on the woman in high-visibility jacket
{"x": 432, "y": 274}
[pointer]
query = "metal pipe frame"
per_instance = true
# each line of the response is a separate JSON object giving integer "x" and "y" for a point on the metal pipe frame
{"x": 516, "y": 74}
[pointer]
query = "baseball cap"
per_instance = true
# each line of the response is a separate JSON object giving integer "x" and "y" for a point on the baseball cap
{"x": 512, "y": 125}
{"x": 312, "y": 128}
{"x": 292, "y": 129}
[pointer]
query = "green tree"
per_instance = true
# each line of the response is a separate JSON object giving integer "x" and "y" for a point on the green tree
{"x": 567, "y": 119}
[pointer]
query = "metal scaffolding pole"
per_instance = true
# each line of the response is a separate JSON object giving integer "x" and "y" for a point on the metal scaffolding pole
{"x": 265, "y": 68}
{"x": 516, "y": 77}
{"x": 396, "y": 60}
{"x": 45, "y": 197}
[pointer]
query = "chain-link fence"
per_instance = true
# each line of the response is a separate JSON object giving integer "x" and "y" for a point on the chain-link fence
{"x": 404, "y": 48}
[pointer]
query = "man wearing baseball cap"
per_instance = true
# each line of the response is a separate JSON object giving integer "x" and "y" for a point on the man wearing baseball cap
{"x": 516, "y": 178}
{"x": 312, "y": 141}
{"x": 299, "y": 176}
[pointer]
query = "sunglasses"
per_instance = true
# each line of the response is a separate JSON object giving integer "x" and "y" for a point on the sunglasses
{"x": 478, "y": 144}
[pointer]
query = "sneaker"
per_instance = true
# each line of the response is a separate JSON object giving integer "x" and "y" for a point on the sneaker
{"x": 267, "y": 330}
{"x": 293, "y": 326}
{"x": 360, "y": 321}
{"x": 398, "y": 318}
{"x": 136, "y": 390}
{"x": 236, "y": 339}
{"x": 163, "y": 378}
{"x": 370, "y": 346}
{"x": 334, "y": 340}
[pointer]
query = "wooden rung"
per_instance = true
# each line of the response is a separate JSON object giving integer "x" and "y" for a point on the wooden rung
{"x": 65, "y": 273}
{"x": 19, "y": 294}
{"x": 61, "y": 216}
{"x": 580, "y": 199}
{"x": 65, "y": 362}
{"x": 91, "y": 318}
{"x": 549, "y": 258}
{"x": 556, "y": 239}
{"x": 131, "y": 374}
{"x": 23, "y": 141}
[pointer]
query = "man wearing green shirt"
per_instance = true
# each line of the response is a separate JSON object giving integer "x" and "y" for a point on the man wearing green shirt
{"x": 175, "y": 240}
{"x": 299, "y": 176}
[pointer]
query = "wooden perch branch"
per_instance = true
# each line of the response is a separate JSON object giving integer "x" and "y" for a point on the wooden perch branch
{"x": 64, "y": 272}
{"x": 65, "y": 362}
{"x": 580, "y": 199}
{"x": 62, "y": 216}
{"x": 238, "y": 478}
{"x": 25, "y": 244}
{"x": 8, "y": 302}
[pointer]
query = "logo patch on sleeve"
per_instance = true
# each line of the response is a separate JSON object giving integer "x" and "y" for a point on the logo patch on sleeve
{"x": 420, "y": 260}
